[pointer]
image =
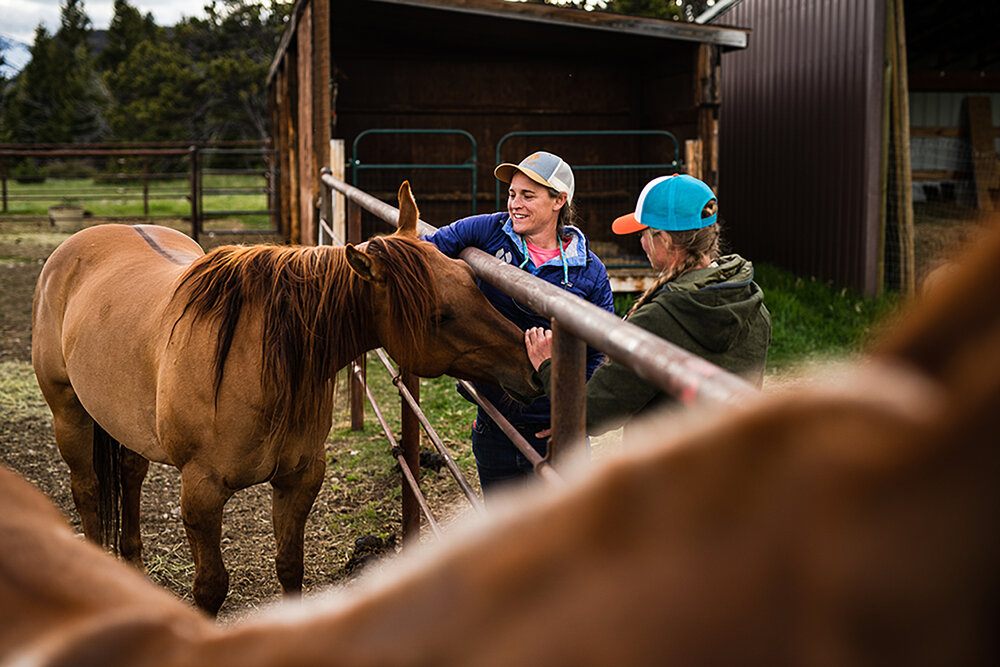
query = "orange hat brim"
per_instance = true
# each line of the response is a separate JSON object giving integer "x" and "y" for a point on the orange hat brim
{"x": 627, "y": 224}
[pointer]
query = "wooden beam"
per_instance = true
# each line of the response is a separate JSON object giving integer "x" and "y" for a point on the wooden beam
{"x": 940, "y": 175}
{"x": 950, "y": 132}
{"x": 955, "y": 80}
{"x": 929, "y": 131}
{"x": 984, "y": 155}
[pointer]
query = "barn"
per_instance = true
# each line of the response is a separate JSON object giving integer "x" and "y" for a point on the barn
{"x": 855, "y": 129}
{"x": 439, "y": 92}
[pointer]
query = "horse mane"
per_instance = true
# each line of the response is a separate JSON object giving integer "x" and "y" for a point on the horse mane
{"x": 317, "y": 313}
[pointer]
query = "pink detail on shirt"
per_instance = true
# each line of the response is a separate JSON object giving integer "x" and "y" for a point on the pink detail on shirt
{"x": 541, "y": 255}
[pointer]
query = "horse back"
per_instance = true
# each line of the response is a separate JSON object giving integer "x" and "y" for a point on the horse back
{"x": 101, "y": 312}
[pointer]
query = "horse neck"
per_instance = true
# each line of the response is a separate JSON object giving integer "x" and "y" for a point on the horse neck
{"x": 353, "y": 305}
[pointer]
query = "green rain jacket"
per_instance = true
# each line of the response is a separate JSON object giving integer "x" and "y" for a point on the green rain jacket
{"x": 717, "y": 313}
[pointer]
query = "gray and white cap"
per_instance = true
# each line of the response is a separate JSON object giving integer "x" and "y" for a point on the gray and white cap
{"x": 544, "y": 168}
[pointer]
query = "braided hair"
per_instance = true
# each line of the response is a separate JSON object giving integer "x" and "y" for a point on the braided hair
{"x": 696, "y": 243}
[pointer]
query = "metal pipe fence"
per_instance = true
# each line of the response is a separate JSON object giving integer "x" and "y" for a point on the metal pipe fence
{"x": 575, "y": 323}
{"x": 111, "y": 176}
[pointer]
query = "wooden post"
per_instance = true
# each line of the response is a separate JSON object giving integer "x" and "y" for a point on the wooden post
{"x": 410, "y": 443}
{"x": 337, "y": 162}
{"x": 3, "y": 180}
{"x": 357, "y": 388}
{"x": 692, "y": 157}
{"x": 145, "y": 187}
{"x": 707, "y": 99}
{"x": 305, "y": 126}
{"x": 904, "y": 176}
{"x": 569, "y": 393}
{"x": 984, "y": 155}
{"x": 195, "y": 191}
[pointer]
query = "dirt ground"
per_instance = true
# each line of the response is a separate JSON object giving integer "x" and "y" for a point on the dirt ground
{"x": 27, "y": 445}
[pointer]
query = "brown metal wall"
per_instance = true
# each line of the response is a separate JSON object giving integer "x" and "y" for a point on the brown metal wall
{"x": 801, "y": 137}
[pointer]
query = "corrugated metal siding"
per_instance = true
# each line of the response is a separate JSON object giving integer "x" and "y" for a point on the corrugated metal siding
{"x": 801, "y": 135}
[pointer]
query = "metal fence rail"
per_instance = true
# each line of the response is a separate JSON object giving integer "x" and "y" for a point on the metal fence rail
{"x": 146, "y": 172}
{"x": 575, "y": 323}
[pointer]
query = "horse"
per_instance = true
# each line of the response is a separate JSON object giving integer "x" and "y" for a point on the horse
{"x": 850, "y": 521}
{"x": 223, "y": 365}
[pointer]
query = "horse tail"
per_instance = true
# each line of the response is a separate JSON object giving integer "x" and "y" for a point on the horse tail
{"x": 107, "y": 466}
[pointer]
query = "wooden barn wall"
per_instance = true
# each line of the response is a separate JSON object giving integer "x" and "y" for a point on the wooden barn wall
{"x": 346, "y": 66}
{"x": 481, "y": 98}
{"x": 800, "y": 137}
{"x": 470, "y": 76}
{"x": 299, "y": 108}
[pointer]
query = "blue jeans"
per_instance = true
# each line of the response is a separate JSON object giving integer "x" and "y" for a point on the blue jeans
{"x": 499, "y": 462}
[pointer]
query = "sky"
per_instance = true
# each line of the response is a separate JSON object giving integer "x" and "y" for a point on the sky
{"x": 19, "y": 18}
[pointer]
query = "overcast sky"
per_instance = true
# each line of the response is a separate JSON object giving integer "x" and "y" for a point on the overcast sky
{"x": 21, "y": 17}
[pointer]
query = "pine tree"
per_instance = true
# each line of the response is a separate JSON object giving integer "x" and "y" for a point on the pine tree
{"x": 127, "y": 30}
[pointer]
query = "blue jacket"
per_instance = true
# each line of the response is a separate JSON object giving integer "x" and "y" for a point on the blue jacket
{"x": 493, "y": 233}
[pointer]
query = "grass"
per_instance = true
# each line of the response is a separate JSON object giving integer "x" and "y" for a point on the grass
{"x": 812, "y": 320}
{"x": 19, "y": 392}
{"x": 364, "y": 472}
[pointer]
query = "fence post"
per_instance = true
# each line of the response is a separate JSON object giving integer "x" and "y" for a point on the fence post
{"x": 325, "y": 207}
{"x": 569, "y": 393}
{"x": 357, "y": 388}
{"x": 195, "y": 223}
{"x": 145, "y": 187}
{"x": 410, "y": 442}
{"x": 3, "y": 179}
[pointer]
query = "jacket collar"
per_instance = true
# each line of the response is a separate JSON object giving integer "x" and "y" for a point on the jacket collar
{"x": 575, "y": 252}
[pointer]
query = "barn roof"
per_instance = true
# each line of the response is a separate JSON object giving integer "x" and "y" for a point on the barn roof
{"x": 595, "y": 20}
{"x": 456, "y": 13}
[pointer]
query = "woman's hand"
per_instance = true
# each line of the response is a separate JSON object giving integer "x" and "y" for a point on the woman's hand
{"x": 538, "y": 342}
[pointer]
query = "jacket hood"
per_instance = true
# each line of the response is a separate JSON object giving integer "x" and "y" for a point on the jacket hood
{"x": 716, "y": 304}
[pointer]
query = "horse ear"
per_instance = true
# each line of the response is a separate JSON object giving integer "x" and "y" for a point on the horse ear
{"x": 408, "y": 212}
{"x": 363, "y": 264}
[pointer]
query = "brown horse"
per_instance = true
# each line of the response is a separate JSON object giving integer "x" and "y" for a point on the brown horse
{"x": 223, "y": 365}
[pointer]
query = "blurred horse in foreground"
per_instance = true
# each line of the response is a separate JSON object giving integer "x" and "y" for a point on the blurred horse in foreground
{"x": 851, "y": 523}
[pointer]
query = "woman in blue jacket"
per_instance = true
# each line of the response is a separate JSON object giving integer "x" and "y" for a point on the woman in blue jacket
{"x": 535, "y": 234}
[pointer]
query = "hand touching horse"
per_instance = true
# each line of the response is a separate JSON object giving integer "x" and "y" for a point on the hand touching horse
{"x": 223, "y": 366}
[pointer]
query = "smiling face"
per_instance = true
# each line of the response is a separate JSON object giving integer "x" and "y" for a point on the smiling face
{"x": 534, "y": 212}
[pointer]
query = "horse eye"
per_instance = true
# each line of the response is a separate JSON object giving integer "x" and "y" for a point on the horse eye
{"x": 442, "y": 318}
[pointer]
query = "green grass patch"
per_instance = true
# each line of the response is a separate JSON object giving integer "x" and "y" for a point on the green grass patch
{"x": 19, "y": 392}
{"x": 812, "y": 320}
{"x": 165, "y": 197}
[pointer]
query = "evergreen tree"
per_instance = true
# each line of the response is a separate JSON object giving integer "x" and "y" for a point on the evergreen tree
{"x": 156, "y": 92}
{"x": 30, "y": 109}
{"x": 58, "y": 97}
{"x": 127, "y": 30}
{"x": 203, "y": 82}
{"x": 233, "y": 47}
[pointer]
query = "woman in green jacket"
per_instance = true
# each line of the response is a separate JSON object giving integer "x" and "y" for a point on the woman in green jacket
{"x": 705, "y": 303}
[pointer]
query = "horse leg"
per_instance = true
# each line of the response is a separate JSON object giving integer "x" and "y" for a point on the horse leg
{"x": 292, "y": 497}
{"x": 74, "y": 431}
{"x": 202, "y": 500}
{"x": 133, "y": 472}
